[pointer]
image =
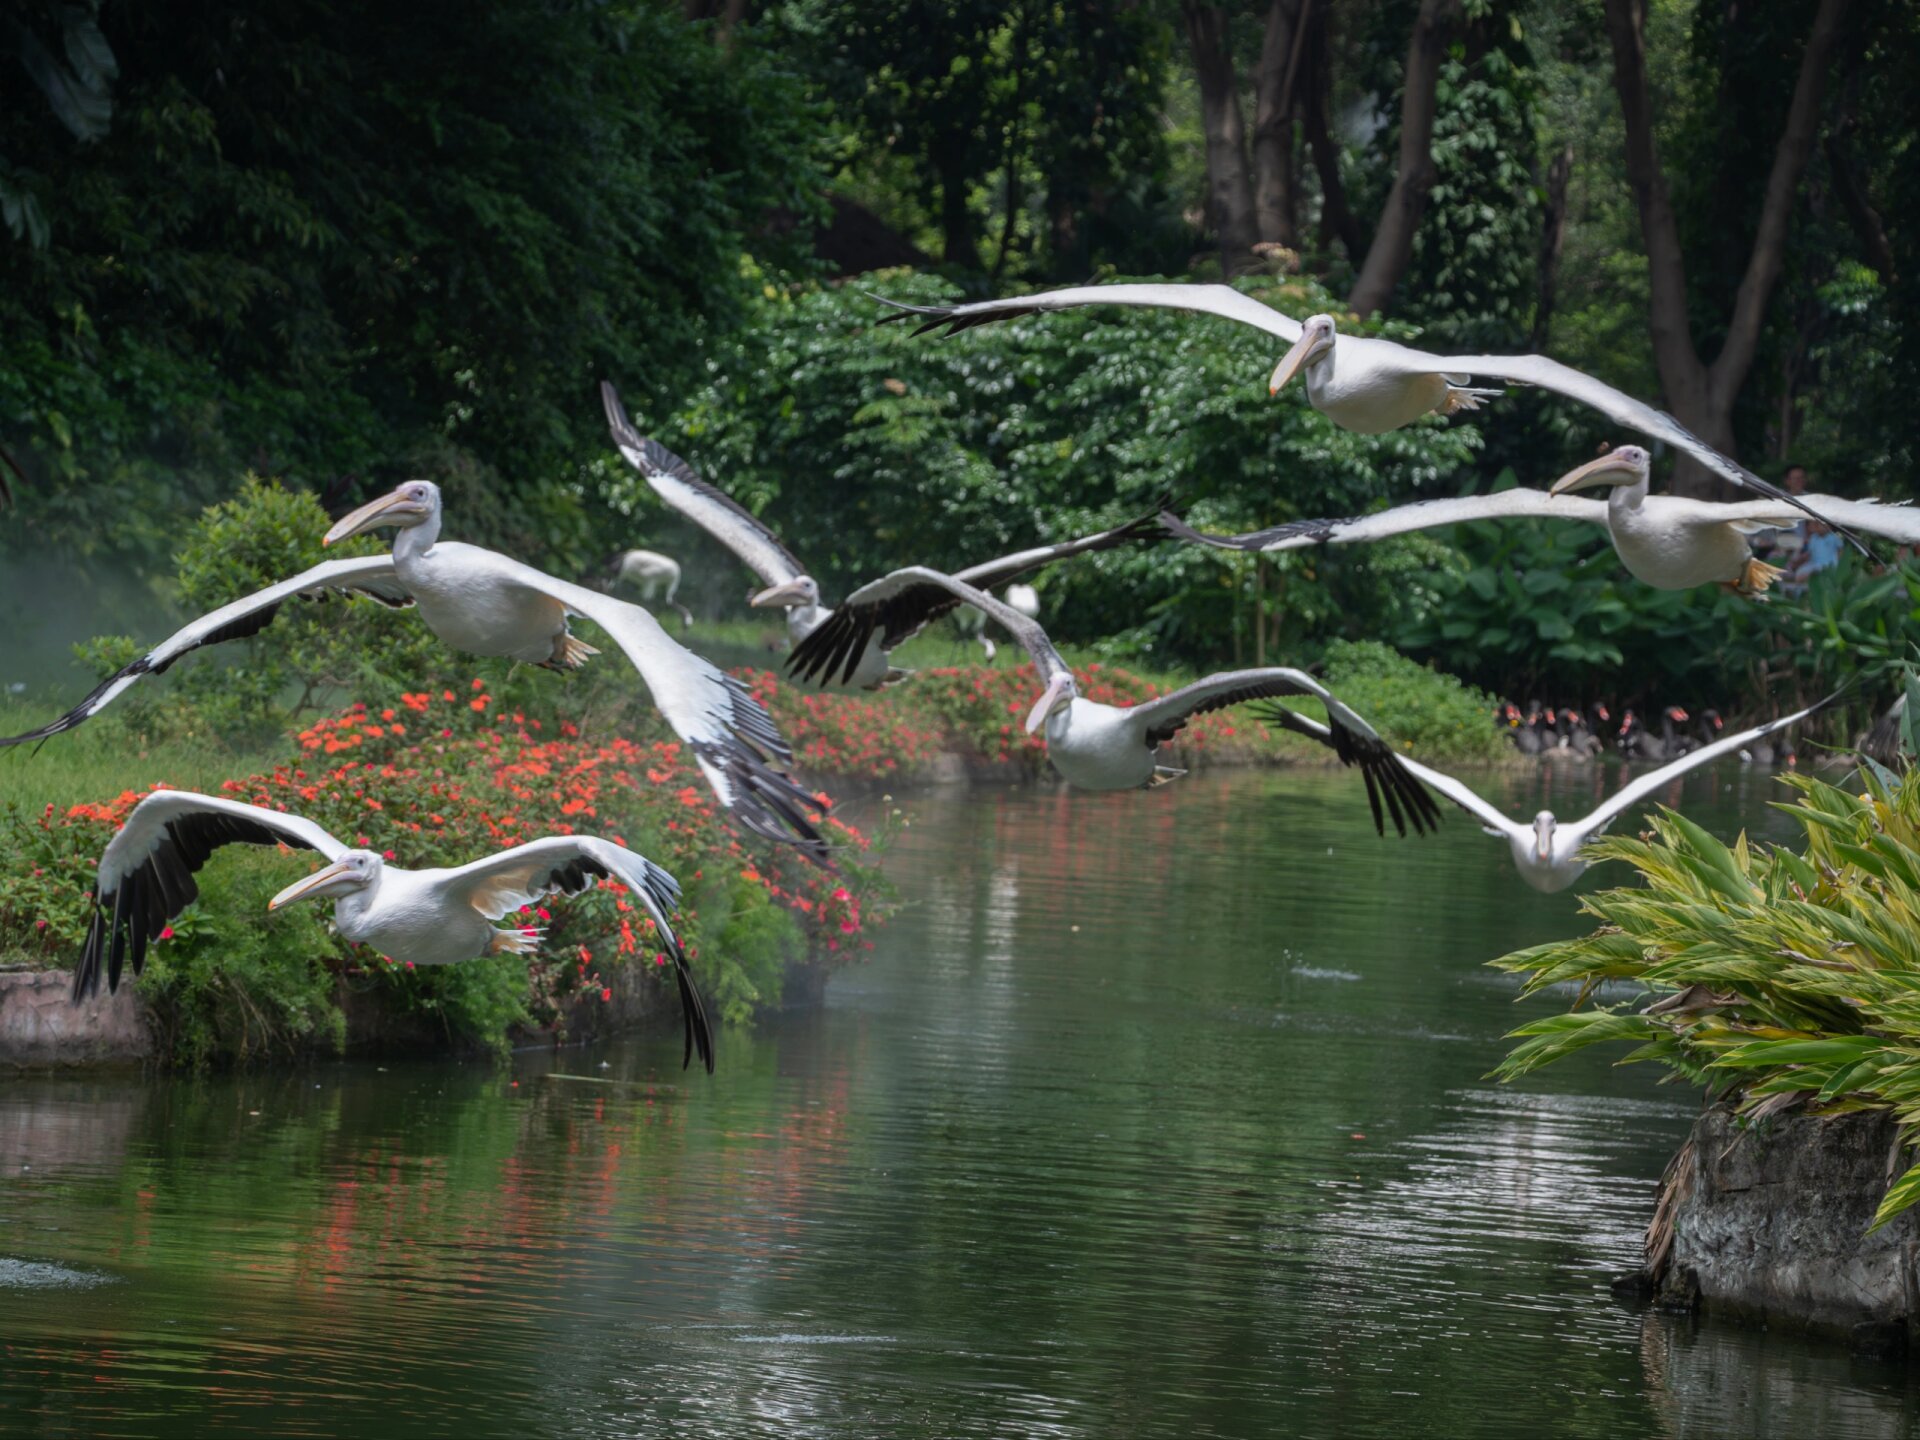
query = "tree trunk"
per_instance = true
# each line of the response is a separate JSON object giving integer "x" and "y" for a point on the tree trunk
{"x": 1336, "y": 220}
{"x": 958, "y": 246}
{"x": 1702, "y": 396}
{"x": 1229, "y": 186}
{"x": 1392, "y": 245}
{"x": 1274, "y": 192}
{"x": 1553, "y": 234}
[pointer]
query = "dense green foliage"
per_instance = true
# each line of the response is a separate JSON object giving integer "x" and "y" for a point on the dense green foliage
{"x": 353, "y": 239}
{"x": 1771, "y": 976}
{"x": 868, "y": 447}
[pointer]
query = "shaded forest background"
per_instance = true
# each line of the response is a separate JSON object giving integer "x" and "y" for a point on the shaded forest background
{"x": 343, "y": 243}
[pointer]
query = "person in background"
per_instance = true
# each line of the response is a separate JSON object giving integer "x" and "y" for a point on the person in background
{"x": 1782, "y": 547}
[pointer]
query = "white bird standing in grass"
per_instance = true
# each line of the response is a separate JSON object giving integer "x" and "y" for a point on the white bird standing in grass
{"x": 1362, "y": 384}
{"x": 649, "y": 572}
{"x": 1107, "y": 747}
{"x": 1666, "y": 541}
{"x": 428, "y": 917}
{"x": 1546, "y": 851}
{"x": 481, "y": 602}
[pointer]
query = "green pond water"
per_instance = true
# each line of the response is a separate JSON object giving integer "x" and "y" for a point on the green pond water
{"x": 1152, "y": 1114}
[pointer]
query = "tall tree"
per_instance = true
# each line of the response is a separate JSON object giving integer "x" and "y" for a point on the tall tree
{"x": 1251, "y": 195}
{"x": 1229, "y": 183}
{"x": 1702, "y": 393}
{"x": 1392, "y": 244}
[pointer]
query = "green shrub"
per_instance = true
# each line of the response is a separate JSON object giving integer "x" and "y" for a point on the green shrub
{"x": 1772, "y": 976}
{"x": 1418, "y": 708}
{"x": 228, "y": 981}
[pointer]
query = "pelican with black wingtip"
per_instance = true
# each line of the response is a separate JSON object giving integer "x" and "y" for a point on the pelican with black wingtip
{"x": 429, "y": 917}
{"x": 1364, "y": 384}
{"x": 1106, "y": 747}
{"x": 787, "y": 583}
{"x": 1666, "y": 541}
{"x": 484, "y": 603}
{"x": 1546, "y": 850}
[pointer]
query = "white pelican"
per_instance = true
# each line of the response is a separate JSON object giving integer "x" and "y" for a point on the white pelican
{"x": 481, "y": 602}
{"x": 1360, "y": 383}
{"x": 787, "y": 583}
{"x": 431, "y": 917}
{"x": 1546, "y": 851}
{"x": 1106, "y": 747}
{"x": 648, "y": 571}
{"x": 1666, "y": 541}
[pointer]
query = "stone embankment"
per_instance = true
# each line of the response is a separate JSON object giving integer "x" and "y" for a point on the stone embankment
{"x": 1769, "y": 1223}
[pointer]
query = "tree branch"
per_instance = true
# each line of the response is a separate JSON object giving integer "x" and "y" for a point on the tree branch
{"x": 1553, "y": 234}
{"x": 1730, "y": 367}
{"x": 1273, "y": 178}
{"x": 1413, "y": 179}
{"x": 1681, "y": 373}
{"x": 1336, "y": 220}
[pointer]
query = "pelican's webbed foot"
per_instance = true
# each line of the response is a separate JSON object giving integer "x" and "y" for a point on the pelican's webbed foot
{"x": 1756, "y": 578}
{"x": 1461, "y": 398}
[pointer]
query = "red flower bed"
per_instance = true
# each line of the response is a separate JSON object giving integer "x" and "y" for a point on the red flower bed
{"x": 447, "y": 776}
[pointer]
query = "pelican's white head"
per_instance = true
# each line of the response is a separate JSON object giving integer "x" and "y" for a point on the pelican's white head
{"x": 1543, "y": 827}
{"x": 1627, "y": 465}
{"x": 414, "y": 504}
{"x": 801, "y": 590}
{"x": 354, "y": 871}
{"x": 1055, "y": 698}
{"x": 1315, "y": 343}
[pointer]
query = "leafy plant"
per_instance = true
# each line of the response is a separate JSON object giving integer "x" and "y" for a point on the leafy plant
{"x": 1775, "y": 976}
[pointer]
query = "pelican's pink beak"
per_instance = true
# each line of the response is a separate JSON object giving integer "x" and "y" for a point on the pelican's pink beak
{"x": 1059, "y": 690}
{"x": 1612, "y": 468}
{"x": 793, "y": 592}
{"x": 387, "y": 510}
{"x": 1295, "y": 360}
{"x": 303, "y": 889}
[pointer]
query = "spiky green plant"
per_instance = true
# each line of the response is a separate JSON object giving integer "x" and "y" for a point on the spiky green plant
{"x": 1774, "y": 976}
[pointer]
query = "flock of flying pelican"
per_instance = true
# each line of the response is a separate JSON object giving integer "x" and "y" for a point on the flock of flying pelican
{"x": 485, "y": 603}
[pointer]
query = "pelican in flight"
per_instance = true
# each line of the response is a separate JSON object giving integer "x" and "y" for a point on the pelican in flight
{"x": 1106, "y": 747}
{"x": 1546, "y": 851}
{"x": 786, "y": 580}
{"x": 481, "y": 602}
{"x": 1362, "y": 384}
{"x": 1669, "y": 542}
{"x": 430, "y": 917}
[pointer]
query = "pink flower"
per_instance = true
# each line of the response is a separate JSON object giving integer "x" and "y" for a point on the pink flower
{"x": 166, "y": 932}
{"x": 606, "y": 993}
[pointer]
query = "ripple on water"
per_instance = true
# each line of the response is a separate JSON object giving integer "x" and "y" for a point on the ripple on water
{"x": 44, "y": 1275}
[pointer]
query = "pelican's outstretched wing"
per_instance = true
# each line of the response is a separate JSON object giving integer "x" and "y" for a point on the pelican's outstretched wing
{"x": 146, "y": 874}
{"x": 911, "y": 610}
{"x": 246, "y": 616}
{"x": 733, "y": 739}
{"x": 897, "y": 606}
{"x": 1899, "y": 521}
{"x": 1641, "y": 786}
{"x": 569, "y": 864}
{"x": 1350, "y": 737}
{"x": 1401, "y": 520}
{"x": 1617, "y": 406}
{"x": 1221, "y": 300}
{"x": 677, "y": 483}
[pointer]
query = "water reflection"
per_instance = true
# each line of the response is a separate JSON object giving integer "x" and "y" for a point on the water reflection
{"x": 1153, "y": 1114}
